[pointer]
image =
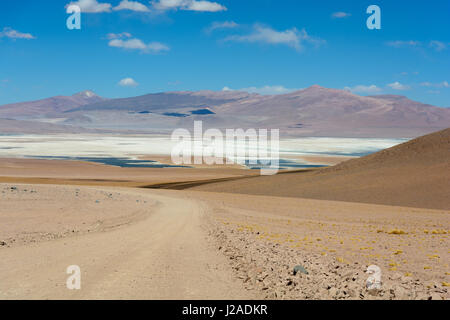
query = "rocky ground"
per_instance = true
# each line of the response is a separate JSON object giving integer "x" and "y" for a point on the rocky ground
{"x": 269, "y": 267}
{"x": 264, "y": 255}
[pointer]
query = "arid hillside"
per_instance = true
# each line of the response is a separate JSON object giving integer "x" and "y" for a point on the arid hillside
{"x": 413, "y": 174}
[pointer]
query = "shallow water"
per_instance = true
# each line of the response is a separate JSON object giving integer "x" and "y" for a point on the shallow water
{"x": 122, "y": 150}
{"x": 118, "y": 162}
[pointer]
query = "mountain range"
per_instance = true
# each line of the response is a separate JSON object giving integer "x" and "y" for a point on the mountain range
{"x": 314, "y": 111}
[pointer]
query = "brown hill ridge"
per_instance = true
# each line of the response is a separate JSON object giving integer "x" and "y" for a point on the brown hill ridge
{"x": 413, "y": 174}
{"x": 312, "y": 112}
{"x": 46, "y": 107}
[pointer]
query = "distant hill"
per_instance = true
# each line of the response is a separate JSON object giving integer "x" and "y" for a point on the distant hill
{"x": 414, "y": 174}
{"x": 318, "y": 111}
{"x": 165, "y": 101}
{"x": 314, "y": 111}
{"x": 48, "y": 107}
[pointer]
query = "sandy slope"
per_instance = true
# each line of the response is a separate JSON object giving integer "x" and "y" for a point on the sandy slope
{"x": 164, "y": 256}
{"x": 415, "y": 174}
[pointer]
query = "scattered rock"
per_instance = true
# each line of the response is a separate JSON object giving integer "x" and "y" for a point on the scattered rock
{"x": 374, "y": 292}
{"x": 396, "y": 276}
{"x": 435, "y": 296}
{"x": 333, "y": 292}
{"x": 401, "y": 292}
{"x": 299, "y": 268}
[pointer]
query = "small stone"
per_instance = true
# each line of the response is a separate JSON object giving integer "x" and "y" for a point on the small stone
{"x": 405, "y": 279}
{"x": 351, "y": 293}
{"x": 421, "y": 296}
{"x": 396, "y": 276}
{"x": 333, "y": 292}
{"x": 374, "y": 292}
{"x": 435, "y": 296}
{"x": 2, "y": 243}
{"x": 401, "y": 292}
{"x": 299, "y": 268}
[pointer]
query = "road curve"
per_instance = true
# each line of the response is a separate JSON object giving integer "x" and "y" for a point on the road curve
{"x": 165, "y": 256}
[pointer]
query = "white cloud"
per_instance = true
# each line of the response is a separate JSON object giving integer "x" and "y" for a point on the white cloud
{"x": 437, "y": 45}
{"x": 14, "y": 34}
{"x": 118, "y": 35}
{"x": 340, "y": 15}
{"x": 398, "y": 86}
{"x": 156, "y": 47}
{"x": 434, "y": 44}
{"x": 400, "y": 44}
{"x": 128, "y": 82}
{"x": 205, "y": 6}
{"x": 263, "y": 90}
{"x": 131, "y": 5}
{"x": 363, "y": 89}
{"x": 443, "y": 84}
{"x": 137, "y": 44}
{"x": 222, "y": 25}
{"x": 91, "y": 6}
{"x": 168, "y": 4}
{"x": 128, "y": 44}
{"x": 190, "y": 5}
{"x": 262, "y": 34}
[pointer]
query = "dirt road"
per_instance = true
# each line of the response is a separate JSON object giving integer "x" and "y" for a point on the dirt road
{"x": 164, "y": 256}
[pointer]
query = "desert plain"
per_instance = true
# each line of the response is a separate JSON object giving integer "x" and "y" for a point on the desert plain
{"x": 226, "y": 232}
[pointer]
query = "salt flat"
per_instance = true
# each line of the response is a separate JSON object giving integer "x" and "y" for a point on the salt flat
{"x": 88, "y": 145}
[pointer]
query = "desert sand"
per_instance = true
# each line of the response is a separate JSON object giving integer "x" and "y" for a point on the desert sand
{"x": 165, "y": 244}
{"x": 155, "y": 249}
{"x": 89, "y": 173}
{"x": 134, "y": 239}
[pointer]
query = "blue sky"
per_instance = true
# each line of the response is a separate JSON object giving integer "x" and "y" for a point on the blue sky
{"x": 128, "y": 48}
